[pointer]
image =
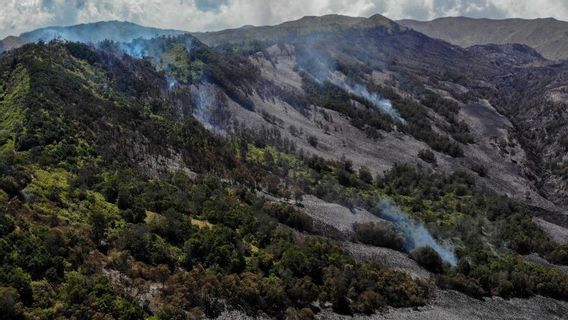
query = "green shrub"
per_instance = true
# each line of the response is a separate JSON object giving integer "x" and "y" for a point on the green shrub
{"x": 463, "y": 284}
{"x": 480, "y": 169}
{"x": 218, "y": 247}
{"x": 365, "y": 175}
{"x": 427, "y": 155}
{"x": 313, "y": 141}
{"x": 169, "y": 312}
{"x": 10, "y": 305}
{"x": 428, "y": 258}
{"x": 289, "y": 216}
{"x": 380, "y": 234}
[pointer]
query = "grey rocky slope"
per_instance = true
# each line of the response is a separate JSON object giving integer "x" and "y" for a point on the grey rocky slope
{"x": 547, "y": 36}
{"x": 452, "y": 305}
{"x": 487, "y": 84}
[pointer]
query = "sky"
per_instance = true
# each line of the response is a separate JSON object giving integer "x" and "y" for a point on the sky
{"x": 17, "y": 16}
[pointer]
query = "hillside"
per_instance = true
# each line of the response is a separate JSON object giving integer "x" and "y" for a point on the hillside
{"x": 324, "y": 168}
{"x": 547, "y": 36}
{"x": 288, "y": 31}
{"x": 87, "y": 33}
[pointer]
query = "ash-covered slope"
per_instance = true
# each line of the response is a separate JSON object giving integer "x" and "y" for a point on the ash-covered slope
{"x": 547, "y": 36}
{"x": 433, "y": 86}
{"x": 465, "y": 105}
{"x": 535, "y": 100}
{"x": 87, "y": 33}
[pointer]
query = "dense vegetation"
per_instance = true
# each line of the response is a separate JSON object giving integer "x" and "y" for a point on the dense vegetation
{"x": 491, "y": 232}
{"x": 484, "y": 222}
{"x": 114, "y": 204}
{"x": 183, "y": 59}
{"x": 89, "y": 231}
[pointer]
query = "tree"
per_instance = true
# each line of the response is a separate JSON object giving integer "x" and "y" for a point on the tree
{"x": 313, "y": 141}
{"x": 428, "y": 258}
{"x": 298, "y": 195}
{"x": 365, "y": 175}
{"x": 145, "y": 245}
{"x": 10, "y": 305}
{"x": 272, "y": 183}
{"x": 99, "y": 225}
{"x": 218, "y": 247}
{"x": 378, "y": 234}
{"x": 427, "y": 155}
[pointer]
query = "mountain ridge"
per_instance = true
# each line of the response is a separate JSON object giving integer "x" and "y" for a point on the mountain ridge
{"x": 121, "y": 31}
{"x": 546, "y": 35}
{"x": 305, "y": 25}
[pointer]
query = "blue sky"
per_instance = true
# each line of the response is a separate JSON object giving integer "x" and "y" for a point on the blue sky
{"x": 19, "y": 16}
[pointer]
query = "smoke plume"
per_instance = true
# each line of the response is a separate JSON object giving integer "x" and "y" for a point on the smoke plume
{"x": 415, "y": 233}
{"x": 321, "y": 68}
{"x": 382, "y": 104}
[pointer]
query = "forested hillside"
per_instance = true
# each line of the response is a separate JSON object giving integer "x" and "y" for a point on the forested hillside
{"x": 166, "y": 179}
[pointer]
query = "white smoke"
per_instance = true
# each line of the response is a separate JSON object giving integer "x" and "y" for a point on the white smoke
{"x": 134, "y": 49}
{"x": 322, "y": 70}
{"x": 205, "y": 107}
{"x": 416, "y": 234}
{"x": 202, "y": 104}
{"x": 142, "y": 48}
{"x": 382, "y": 104}
{"x": 172, "y": 81}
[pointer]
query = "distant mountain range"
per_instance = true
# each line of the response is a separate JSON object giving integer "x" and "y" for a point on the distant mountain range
{"x": 289, "y": 30}
{"x": 88, "y": 33}
{"x": 548, "y": 36}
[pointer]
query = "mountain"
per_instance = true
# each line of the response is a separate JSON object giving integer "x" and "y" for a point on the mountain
{"x": 309, "y": 25}
{"x": 323, "y": 168}
{"x": 87, "y": 33}
{"x": 548, "y": 36}
{"x": 381, "y": 58}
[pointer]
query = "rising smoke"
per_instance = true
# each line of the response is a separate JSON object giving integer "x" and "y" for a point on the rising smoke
{"x": 415, "y": 233}
{"x": 136, "y": 49}
{"x": 93, "y": 33}
{"x": 382, "y": 104}
{"x": 156, "y": 49}
{"x": 322, "y": 69}
{"x": 202, "y": 103}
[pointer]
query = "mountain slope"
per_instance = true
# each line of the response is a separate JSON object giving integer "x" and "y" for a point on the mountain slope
{"x": 548, "y": 36}
{"x": 401, "y": 65}
{"x": 288, "y": 31}
{"x": 335, "y": 166}
{"x": 78, "y": 135}
{"x": 87, "y": 33}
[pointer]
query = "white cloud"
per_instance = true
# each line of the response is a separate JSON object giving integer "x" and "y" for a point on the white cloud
{"x": 18, "y": 16}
